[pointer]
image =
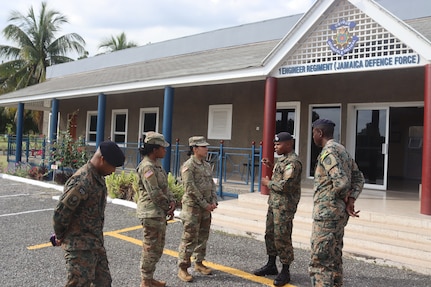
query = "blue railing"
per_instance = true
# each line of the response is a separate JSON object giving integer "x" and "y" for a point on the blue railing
{"x": 235, "y": 165}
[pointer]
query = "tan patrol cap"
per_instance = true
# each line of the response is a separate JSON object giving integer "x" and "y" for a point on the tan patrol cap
{"x": 198, "y": 141}
{"x": 156, "y": 138}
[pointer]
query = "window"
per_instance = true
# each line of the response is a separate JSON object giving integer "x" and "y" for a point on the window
{"x": 91, "y": 129}
{"x": 220, "y": 122}
{"x": 148, "y": 121}
{"x": 119, "y": 127}
{"x": 287, "y": 120}
{"x": 332, "y": 113}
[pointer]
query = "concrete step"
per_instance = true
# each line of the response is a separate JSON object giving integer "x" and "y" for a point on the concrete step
{"x": 386, "y": 239}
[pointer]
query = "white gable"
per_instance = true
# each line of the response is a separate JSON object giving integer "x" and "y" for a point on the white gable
{"x": 345, "y": 38}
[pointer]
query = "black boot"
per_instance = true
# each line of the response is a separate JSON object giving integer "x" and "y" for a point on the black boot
{"x": 269, "y": 269}
{"x": 284, "y": 276}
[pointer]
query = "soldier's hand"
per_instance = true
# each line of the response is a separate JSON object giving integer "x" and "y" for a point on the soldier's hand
{"x": 350, "y": 207}
{"x": 265, "y": 180}
{"x": 267, "y": 163}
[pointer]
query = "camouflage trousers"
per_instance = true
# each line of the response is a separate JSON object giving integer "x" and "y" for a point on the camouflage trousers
{"x": 326, "y": 264}
{"x": 87, "y": 268}
{"x": 154, "y": 232}
{"x": 196, "y": 224}
{"x": 278, "y": 235}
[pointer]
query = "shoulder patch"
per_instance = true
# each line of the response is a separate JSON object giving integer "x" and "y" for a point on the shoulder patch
{"x": 288, "y": 171}
{"x": 185, "y": 168}
{"x": 328, "y": 160}
{"x": 149, "y": 174}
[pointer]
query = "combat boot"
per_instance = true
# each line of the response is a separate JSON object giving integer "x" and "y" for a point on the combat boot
{"x": 157, "y": 283}
{"x": 284, "y": 276}
{"x": 199, "y": 267}
{"x": 269, "y": 269}
{"x": 147, "y": 283}
{"x": 184, "y": 275}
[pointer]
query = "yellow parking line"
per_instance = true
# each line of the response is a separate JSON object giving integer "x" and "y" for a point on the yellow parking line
{"x": 236, "y": 272}
{"x": 39, "y": 246}
{"x": 222, "y": 268}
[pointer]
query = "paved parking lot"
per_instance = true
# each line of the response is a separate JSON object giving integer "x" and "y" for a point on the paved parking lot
{"x": 27, "y": 259}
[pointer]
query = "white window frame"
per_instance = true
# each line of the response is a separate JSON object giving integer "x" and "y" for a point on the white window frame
{"x": 142, "y": 112}
{"x": 113, "y": 132}
{"x": 87, "y": 128}
{"x": 297, "y": 107}
{"x": 224, "y": 129}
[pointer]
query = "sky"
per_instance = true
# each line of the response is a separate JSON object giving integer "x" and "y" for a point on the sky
{"x": 149, "y": 21}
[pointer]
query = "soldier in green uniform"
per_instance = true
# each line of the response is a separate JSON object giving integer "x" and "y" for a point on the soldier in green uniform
{"x": 337, "y": 184}
{"x": 198, "y": 201}
{"x": 155, "y": 204}
{"x": 284, "y": 194}
{"x": 79, "y": 217}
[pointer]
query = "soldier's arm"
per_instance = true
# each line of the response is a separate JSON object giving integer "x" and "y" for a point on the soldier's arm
{"x": 158, "y": 196}
{"x": 63, "y": 213}
{"x": 357, "y": 181}
{"x": 191, "y": 189}
{"x": 291, "y": 171}
{"x": 339, "y": 178}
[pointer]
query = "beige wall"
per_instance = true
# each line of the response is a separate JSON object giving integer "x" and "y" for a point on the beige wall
{"x": 191, "y": 103}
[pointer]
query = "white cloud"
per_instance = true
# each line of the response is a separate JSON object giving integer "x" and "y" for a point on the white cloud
{"x": 154, "y": 21}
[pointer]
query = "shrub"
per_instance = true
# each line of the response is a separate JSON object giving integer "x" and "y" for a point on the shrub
{"x": 67, "y": 153}
{"x": 19, "y": 169}
{"x": 38, "y": 172}
{"x": 122, "y": 185}
{"x": 176, "y": 188}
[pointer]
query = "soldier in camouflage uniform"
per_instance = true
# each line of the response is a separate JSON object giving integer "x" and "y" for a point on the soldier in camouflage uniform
{"x": 79, "y": 217}
{"x": 337, "y": 184}
{"x": 155, "y": 204}
{"x": 198, "y": 201}
{"x": 284, "y": 194}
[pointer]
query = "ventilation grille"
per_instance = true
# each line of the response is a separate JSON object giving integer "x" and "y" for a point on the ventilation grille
{"x": 373, "y": 40}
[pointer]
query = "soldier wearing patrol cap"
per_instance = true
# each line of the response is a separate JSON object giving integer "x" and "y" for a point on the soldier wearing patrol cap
{"x": 285, "y": 191}
{"x": 79, "y": 217}
{"x": 156, "y": 203}
{"x": 198, "y": 201}
{"x": 337, "y": 184}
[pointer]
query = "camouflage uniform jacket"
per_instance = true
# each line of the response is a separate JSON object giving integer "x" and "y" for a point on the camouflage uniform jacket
{"x": 336, "y": 174}
{"x": 285, "y": 184}
{"x": 154, "y": 196}
{"x": 80, "y": 212}
{"x": 199, "y": 186}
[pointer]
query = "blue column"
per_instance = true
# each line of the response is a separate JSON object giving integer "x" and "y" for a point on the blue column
{"x": 54, "y": 121}
{"x": 101, "y": 110}
{"x": 168, "y": 108}
{"x": 19, "y": 129}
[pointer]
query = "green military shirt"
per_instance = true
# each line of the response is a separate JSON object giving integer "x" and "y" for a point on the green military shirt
{"x": 199, "y": 186}
{"x": 285, "y": 183}
{"x": 79, "y": 215}
{"x": 336, "y": 174}
{"x": 154, "y": 195}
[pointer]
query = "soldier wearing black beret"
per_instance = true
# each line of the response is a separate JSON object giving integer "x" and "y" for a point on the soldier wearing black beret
{"x": 337, "y": 184}
{"x": 79, "y": 217}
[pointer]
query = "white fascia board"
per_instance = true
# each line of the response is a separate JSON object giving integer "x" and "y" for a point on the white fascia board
{"x": 396, "y": 26}
{"x": 304, "y": 24}
{"x": 253, "y": 74}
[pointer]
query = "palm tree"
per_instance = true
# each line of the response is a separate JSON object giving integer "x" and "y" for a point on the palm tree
{"x": 36, "y": 47}
{"x": 117, "y": 43}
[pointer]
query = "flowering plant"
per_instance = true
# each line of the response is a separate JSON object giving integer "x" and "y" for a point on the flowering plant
{"x": 68, "y": 153}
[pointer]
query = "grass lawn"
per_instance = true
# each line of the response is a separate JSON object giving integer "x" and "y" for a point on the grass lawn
{"x": 3, "y": 162}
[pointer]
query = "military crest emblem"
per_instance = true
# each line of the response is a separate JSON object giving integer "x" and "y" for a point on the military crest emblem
{"x": 343, "y": 41}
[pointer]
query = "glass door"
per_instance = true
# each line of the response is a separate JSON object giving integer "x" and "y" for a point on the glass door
{"x": 371, "y": 146}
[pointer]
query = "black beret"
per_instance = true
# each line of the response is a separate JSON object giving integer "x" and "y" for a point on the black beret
{"x": 323, "y": 122}
{"x": 282, "y": 137}
{"x": 112, "y": 153}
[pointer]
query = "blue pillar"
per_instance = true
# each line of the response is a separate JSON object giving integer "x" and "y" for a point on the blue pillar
{"x": 54, "y": 121}
{"x": 168, "y": 108}
{"x": 101, "y": 110}
{"x": 19, "y": 129}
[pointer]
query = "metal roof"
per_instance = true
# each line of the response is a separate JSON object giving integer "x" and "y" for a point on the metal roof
{"x": 231, "y": 60}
